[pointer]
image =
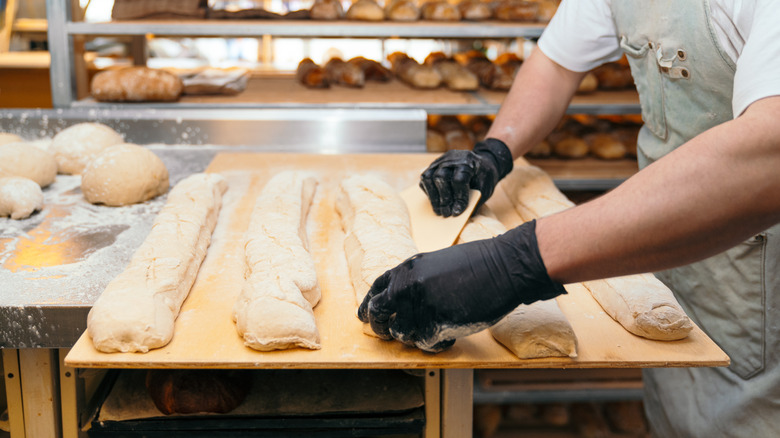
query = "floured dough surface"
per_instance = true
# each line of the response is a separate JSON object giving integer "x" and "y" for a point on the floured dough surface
{"x": 19, "y": 197}
{"x": 643, "y": 305}
{"x": 274, "y": 308}
{"x": 530, "y": 331}
{"x": 28, "y": 161}
{"x": 7, "y": 137}
{"x": 137, "y": 310}
{"x": 124, "y": 174}
{"x": 75, "y": 146}
{"x": 640, "y": 303}
{"x": 377, "y": 227}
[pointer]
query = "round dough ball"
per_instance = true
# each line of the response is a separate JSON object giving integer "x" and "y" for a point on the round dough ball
{"x": 124, "y": 174}
{"x": 74, "y": 147}
{"x": 19, "y": 197}
{"x": 7, "y": 137}
{"x": 24, "y": 159}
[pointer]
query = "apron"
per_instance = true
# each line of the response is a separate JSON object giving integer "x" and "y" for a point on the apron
{"x": 685, "y": 83}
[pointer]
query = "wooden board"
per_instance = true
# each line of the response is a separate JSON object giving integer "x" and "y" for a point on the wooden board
{"x": 206, "y": 337}
{"x": 429, "y": 230}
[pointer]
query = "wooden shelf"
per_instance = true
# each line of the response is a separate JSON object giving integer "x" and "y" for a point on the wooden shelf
{"x": 283, "y": 91}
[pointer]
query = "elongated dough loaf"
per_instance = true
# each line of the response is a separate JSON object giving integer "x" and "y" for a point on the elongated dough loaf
{"x": 274, "y": 309}
{"x": 536, "y": 330}
{"x": 137, "y": 310}
{"x": 377, "y": 227}
{"x": 640, "y": 303}
{"x": 643, "y": 305}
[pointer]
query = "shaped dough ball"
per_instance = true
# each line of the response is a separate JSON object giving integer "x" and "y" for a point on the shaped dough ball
{"x": 7, "y": 137}
{"x": 19, "y": 197}
{"x": 74, "y": 147}
{"x": 28, "y": 161}
{"x": 124, "y": 174}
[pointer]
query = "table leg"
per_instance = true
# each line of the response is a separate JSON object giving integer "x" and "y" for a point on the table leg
{"x": 457, "y": 392}
{"x": 13, "y": 391}
{"x": 68, "y": 398}
{"x": 40, "y": 399}
{"x": 432, "y": 403}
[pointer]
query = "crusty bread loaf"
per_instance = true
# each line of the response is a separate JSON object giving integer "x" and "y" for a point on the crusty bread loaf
{"x": 547, "y": 8}
{"x": 136, "y": 84}
{"x": 475, "y": 10}
{"x": 490, "y": 75}
{"x": 614, "y": 76}
{"x": 440, "y": 11}
{"x": 455, "y": 76}
{"x": 605, "y": 146}
{"x": 402, "y": 10}
{"x": 516, "y": 10}
{"x": 311, "y": 75}
{"x": 434, "y": 141}
{"x": 326, "y": 10}
{"x": 366, "y": 10}
{"x": 509, "y": 63}
{"x": 372, "y": 70}
{"x": 337, "y": 71}
{"x": 412, "y": 73}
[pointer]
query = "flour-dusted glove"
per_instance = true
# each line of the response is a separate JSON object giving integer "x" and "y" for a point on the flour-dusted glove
{"x": 433, "y": 298}
{"x": 448, "y": 179}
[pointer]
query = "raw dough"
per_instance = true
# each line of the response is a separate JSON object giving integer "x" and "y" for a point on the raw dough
{"x": 643, "y": 305}
{"x": 274, "y": 309}
{"x": 536, "y": 330}
{"x": 75, "y": 146}
{"x": 19, "y": 197}
{"x": 124, "y": 174}
{"x": 640, "y": 303}
{"x": 26, "y": 160}
{"x": 378, "y": 231}
{"x": 137, "y": 310}
{"x": 7, "y": 137}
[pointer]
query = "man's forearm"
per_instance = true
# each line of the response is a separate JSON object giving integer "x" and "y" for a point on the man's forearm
{"x": 706, "y": 196}
{"x": 538, "y": 99}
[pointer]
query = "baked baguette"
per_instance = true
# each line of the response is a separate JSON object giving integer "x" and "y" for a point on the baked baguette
{"x": 455, "y": 76}
{"x": 311, "y": 74}
{"x": 372, "y": 70}
{"x": 490, "y": 75}
{"x": 412, "y": 73}
{"x": 337, "y": 71}
{"x": 136, "y": 84}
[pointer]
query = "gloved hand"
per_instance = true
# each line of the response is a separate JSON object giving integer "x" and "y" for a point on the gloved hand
{"x": 432, "y": 298}
{"x": 448, "y": 179}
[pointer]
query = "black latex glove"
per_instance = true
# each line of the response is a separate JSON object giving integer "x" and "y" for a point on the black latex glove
{"x": 448, "y": 179}
{"x": 433, "y": 298}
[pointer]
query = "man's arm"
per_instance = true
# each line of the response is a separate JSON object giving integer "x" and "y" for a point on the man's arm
{"x": 540, "y": 94}
{"x": 706, "y": 196}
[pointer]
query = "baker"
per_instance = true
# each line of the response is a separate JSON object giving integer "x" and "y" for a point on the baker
{"x": 703, "y": 212}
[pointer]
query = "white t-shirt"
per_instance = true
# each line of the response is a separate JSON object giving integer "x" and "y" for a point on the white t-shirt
{"x": 582, "y": 36}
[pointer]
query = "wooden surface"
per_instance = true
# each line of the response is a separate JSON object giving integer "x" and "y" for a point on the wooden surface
{"x": 429, "y": 230}
{"x": 206, "y": 337}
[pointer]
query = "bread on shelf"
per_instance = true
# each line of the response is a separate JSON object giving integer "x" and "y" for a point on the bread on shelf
{"x": 490, "y": 75}
{"x": 311, "y": 75}
{"x": 402, "y": 10}
{"x": 365, "y": 10}
{"x": 326, "y": 10}
{"x": 412, "y": 73}
{"x": 372, "y": 70}
{"x": 475, "y": 10}
{"x": 338, "y": 71}
{"x": 440, "y": 11}
{"x": 455, "y": 76}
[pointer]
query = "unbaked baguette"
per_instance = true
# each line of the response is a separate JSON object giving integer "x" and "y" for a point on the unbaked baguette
{"x": 136, "y": 84}
{"x": 377, "y": 227}
{"x": 274, "y": 309}
{"x": 137, "y": 310}
{"x": 536, "y": 330}
{"x": 640, "y": 303}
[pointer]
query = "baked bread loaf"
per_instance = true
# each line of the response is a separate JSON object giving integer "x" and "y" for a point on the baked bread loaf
{"x": 475, "y": 10}
{"x": 136, "y": 84}
{"x": 311, "y": 75}
{"x": 402, "y": 10}
{"x": 614, "y": 76}
{"x": 434, "y": 141}
{"x": 412, "y": 73}
{"x": 326, "y": 10}
{"x": 547, "y": 8}
{"x": 455, "y": 76}
{"x": 516, "y": 10}
{"x": 372, "y": 70}
{"x": 197, "y": 391}
{"x": 605, "y": 146}
{"x": 366, "y": 10}
{"x": 440, "y": 11}
{"x": 337, "y": 71}
{"x": 490, "y": 75}
{"x": 509, "y": 63}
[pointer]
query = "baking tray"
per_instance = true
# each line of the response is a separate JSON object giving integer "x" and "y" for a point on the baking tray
{"x": 205, "y": 335}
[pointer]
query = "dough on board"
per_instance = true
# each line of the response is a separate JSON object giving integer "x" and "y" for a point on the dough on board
{"x": 75, "y": 146}
{"x": 19, "y": 197}
{"x": 137, "y": 310}
{"x": 124, "y": 174}
{"x": 274, "y": 309}
{"x": 535, "y": 330}
{"x": 7, "y": 137}
{"x": 640, "y": 303}
{"x": 28, "y": 161}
